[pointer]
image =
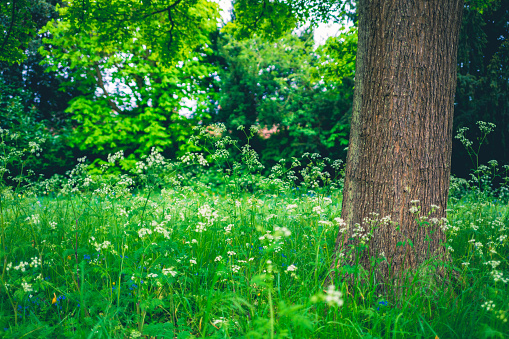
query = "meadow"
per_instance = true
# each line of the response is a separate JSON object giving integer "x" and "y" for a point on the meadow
{"x": 206, "y": 246}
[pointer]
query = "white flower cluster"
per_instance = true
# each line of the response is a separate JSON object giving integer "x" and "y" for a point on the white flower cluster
{"x": 26, "y": 286}
{"x": 292, "y": 207}
{"x": 53, "y": 225}
{"x": 488, "y": 305}
{"x": 318, "y": 210}
{"x": 34, "y": 219}
{"x": 208, "y": 213}
{"x": 201, "y": 227}
{"x": 359, "y": 232}
{"x": 189, "y": 158}
{"x": 144, "y": 231}
{"x": 228, "y": 229}
{"x": 35, "y": 262}
{"x": 493, "y": 263}
{"x": 159, "y": 228}
{"x": 104, "y": 245}
{"x": 291, "y": 268}
{"x": 171, "y": 271}
{"x": 342, "y": 224}
{"x": 499, "y": 276}
{"x": 112, "y": 158}
{"x": 331, "y": 297}
{"x": 20, "y": 267}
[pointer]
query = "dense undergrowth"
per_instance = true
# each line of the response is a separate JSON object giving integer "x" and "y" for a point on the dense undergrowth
{"x": 207, "y": 247}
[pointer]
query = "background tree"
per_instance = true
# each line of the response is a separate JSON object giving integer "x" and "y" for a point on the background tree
{"x": 17, "y": 27}
{"x": 483, "y": 80}
{"x": 31, "y": 104}
{"x": 279, "y": 87}
{"x": 129, "y": 100}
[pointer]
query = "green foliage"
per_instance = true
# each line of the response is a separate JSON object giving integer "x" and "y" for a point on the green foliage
{"x": 22, "y": 138}
{"x": 170, "y": 29}
{"x": 129, "y": 100}
{"x": 483, "y": 80}
{"x": 283, "y": 87}
{"x": 274, "y": 19}
{"x": 17, "y": 28}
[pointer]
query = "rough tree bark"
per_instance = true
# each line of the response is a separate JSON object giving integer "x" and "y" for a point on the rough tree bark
{"x": 401, "y": 131}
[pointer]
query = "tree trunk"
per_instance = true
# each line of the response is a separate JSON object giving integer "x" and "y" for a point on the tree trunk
{"x": 401, "y": 134}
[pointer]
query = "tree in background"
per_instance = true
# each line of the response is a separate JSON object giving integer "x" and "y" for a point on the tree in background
{"x": 31, "y": 104}
{"x": 129, "y": 99}
{"x": 278, "y": 87}
{"x": 483, "y": 80}
{"x": 17, "y": 27}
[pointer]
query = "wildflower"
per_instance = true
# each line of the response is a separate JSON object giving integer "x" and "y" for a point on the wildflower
{"x": 499, "y": 276}
{"x": 192, "y": 261}
{"x": 26, "y": 286}
{"x": 164, "y": 232}
{"x": 54, "y": 300}
{"x": 219, "y": 321}
{"x": 34, "y": 219}
{"x": 291, "y": 268}
{"x": 331, "y": 297}
{"x": 169, "y": 271}
{"x": 493, "y": 263}
{"x": 35, "y": 262}
{"x": 228, "y": 228}
{"x": 488, "y": 305}
{"x": 231, "y": 253}
{"x": 218, "y": 258}
{"x": 291, "y": 207}
{"x": 21, "y": 266}
{"x": 143, "y": 232}
{"x": 382, "y": 303}
{"x": 151, "y": 275}
{"x": 318, "y": 210}
{"x": 201, "y": 227}
{"x": 283, "y": 230}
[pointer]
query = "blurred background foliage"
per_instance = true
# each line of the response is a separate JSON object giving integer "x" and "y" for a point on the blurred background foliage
{"x": 85, "y": 94}
{"x": 482, "y": 91}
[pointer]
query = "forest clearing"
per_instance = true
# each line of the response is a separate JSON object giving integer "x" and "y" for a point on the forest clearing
{"x": 212, "y": 169}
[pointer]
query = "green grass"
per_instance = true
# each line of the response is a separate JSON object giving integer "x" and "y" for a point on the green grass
{"x": 174, "y": 251}
{"x": 189, "y": 262}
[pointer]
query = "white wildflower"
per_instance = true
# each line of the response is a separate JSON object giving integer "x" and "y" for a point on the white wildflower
{"x": 291, "y": 268}
{"x": 169, "y": 271}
